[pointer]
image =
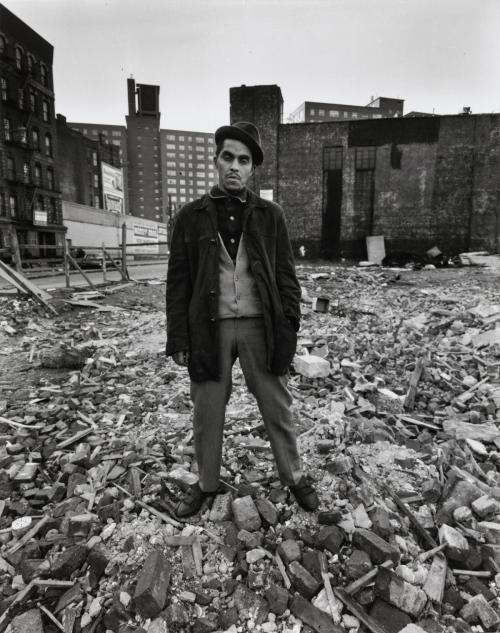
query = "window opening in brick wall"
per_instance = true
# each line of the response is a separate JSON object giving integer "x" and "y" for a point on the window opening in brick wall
{"x": 332, "y": 158}
{"x": 365, "y": 157}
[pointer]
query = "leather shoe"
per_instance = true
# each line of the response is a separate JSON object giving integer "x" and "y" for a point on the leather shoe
{"x": 305, "y": 495}
{"x": 191, "y": 501}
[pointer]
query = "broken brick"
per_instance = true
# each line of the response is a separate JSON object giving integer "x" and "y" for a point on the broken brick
{"x": 151, "y": 589}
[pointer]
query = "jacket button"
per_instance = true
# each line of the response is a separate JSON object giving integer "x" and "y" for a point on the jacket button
{"x": 213, "y": 241}
{"x": 212, "y": 320}
{"x": 212, "y": 292}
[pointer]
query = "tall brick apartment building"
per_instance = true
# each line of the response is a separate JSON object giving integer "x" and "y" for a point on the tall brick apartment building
{"x": 419, "y": 181}
{"x": 30, "y": 201}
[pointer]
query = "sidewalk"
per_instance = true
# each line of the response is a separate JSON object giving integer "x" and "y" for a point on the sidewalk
{"x": 139, "y": 270}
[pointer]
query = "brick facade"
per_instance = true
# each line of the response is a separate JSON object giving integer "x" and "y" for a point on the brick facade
{"x": 420, "y": 182}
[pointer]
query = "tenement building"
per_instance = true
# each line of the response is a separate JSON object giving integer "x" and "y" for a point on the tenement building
{"x": 84, "y": 165}
{"x": 30, "y": 201}
{"x": 420, "y": 182}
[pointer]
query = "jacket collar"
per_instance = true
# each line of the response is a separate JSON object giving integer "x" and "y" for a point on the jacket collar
{"x": 207, "y": 201}
{"x": 216, "y": 193}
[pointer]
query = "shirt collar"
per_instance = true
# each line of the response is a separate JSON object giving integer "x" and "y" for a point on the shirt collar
{"x": 216, "y": 193}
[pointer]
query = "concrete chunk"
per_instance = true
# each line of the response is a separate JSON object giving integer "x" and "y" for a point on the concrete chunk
{"x": 331, "y": 538}
{"x": 485, "y": 506}
{"x": 311, "y": 366}
{"x": 289, "y": 550}
{"x": 400, "y": 593}
{"x": 478, "y": 608}
{"x": 313, "y": 617}
{"x": 378, "y": 550}
{"x": 30, "y": 621}
{"x": 151, "y": 590}
{"x": 457, "y": 547}
{"x": 302, "y": 580}
{"x": 246, "y": 515}
{"x": 221, "y": 508}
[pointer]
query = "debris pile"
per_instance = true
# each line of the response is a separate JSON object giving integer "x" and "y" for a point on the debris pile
{"x": 397, "y": 403}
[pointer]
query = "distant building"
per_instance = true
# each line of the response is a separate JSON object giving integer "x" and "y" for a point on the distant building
{"x": 116, "y": 137}
{"x": 84, "y": 166}
{"x": 30, "y": 200}
{"x": 318, "y": 112}
{"x": 144, "y": 174}
{"x": 188, "y": 168}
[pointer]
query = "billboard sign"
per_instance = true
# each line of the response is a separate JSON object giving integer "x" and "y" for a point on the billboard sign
{"x": 40, "y": 217}
{"x": 112, "y": 188}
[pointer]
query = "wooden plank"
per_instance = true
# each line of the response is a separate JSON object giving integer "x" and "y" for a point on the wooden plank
{"x": 409, "y": 402}
{"x": 436, "y": 578}
{"x": 358, "y": 611}
{"x": 422, "y": 532}
{"x": 75, "y": 438}
{"x": 22, "y": 283}
{"x": 366, "y": 579}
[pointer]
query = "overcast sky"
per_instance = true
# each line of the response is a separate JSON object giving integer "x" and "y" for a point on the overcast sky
{"x": 438, "y": 55}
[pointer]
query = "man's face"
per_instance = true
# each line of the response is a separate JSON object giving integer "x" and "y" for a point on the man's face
{"x": 234, "y": 166}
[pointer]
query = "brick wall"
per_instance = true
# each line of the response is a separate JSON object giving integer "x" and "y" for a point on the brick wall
{"x": 436, "y": 180}
{"x": 262, "y": 106}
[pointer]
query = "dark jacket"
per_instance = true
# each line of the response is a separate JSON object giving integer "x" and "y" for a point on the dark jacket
{"x": 193, "y": 284}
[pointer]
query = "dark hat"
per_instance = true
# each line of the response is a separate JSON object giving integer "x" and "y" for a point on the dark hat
{"x": 246, "y": 133}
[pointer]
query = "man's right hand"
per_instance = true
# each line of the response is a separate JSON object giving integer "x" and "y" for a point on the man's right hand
{"x": 181, "y": 358}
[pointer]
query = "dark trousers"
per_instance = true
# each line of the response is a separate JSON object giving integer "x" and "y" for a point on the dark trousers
{"x": 243, "y": 339}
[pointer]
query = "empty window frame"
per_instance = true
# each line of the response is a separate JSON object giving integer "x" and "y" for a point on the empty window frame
{"x": 332, "y": 158}
{"x": 365, "y": 158}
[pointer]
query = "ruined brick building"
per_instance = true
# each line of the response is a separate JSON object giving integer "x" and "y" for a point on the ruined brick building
{"x": 419, "y": 181}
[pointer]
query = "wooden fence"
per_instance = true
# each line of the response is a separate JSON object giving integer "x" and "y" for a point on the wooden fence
{"x": 79, "y": 258}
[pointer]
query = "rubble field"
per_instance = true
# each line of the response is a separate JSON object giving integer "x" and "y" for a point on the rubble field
{"x": 396, "y": 388}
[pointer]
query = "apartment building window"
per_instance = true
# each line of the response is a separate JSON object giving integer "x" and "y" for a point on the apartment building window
{"x": 26, "y": 173}
{"x": 354, "y": 115}
{"x": 116, "y": 133}
{"x": 39, "y": 203}
{"x": 321, "y": 113}
{"x": 38, "y": 174}
{"x": 170, "y": 146}
{"x": 2, "y": 44}
{"x": 35, "y": 139}
{"x": 20, "y": 98}
{"x": 19, "y": 57}
{"x": 3, "y": 205}
{"x": 4, "y": 88}
{"x": 33, "y": 104}
{"x": 30, "y": 62}
{"x": 48, "y": 144}
{"x": 11, "y": 168}
{"x": 170, "y": 137}
{"x": 50, "y": 178}
{"x": 44, "y": 75}
{"x": 53, "y": 219}
{"x": 334, "y": 114}
{"x": 312, "y": 112}
{"x": 94, "y": 159}
{"x": 13, "y": 206}
{"x": 346, "y": 115}
{"x": 45, "y": 111}
{"x": 7, "y": 129}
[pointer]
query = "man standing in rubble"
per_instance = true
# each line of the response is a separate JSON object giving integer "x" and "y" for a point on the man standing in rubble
{"x": 232, "y": 293}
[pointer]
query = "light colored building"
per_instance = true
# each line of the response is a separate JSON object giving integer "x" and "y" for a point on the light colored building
{"x": 319, "y": 112}
{"x": 187, "y": 165}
